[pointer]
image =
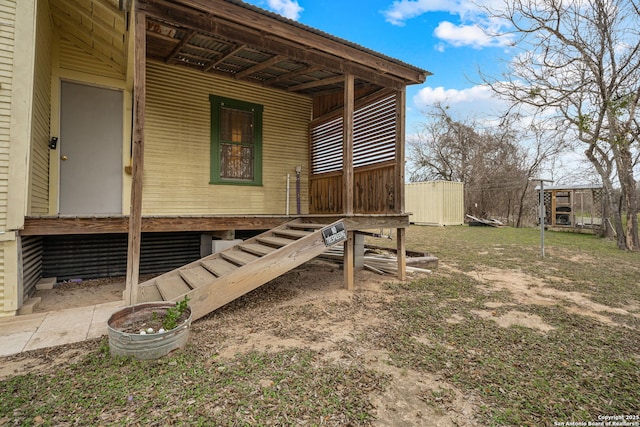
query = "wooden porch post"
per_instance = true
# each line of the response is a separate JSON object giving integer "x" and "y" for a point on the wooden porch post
{"x": 399, "y": 184}
{"x": 135, "y": 216}
{"x": 347, "y": 177}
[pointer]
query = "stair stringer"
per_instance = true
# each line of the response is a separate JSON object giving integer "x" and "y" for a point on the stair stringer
{"x": 224, "y": 289}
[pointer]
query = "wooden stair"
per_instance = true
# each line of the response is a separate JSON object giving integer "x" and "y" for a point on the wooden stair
{"x": 218, "y": 279}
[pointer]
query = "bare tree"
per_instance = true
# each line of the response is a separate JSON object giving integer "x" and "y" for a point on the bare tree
{"x": 443, "y": 149}
{"x": 580, "y": 64}
{"x": 495, "y": 162}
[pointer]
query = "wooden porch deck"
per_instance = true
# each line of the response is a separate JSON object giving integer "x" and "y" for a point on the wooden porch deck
{"x": 88, "y": 224}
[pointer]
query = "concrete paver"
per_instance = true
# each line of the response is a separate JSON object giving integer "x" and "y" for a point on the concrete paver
{"x": 43, "y": 339}
{"x": 14, "y": 343}
{"x": 15, "y": 324}
{"x": 41, "y": 330}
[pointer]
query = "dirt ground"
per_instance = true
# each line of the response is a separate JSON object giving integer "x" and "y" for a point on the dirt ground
{"x": 308, "y": 308}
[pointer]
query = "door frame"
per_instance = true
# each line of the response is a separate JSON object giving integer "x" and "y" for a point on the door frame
{"x": 58, "y": 77}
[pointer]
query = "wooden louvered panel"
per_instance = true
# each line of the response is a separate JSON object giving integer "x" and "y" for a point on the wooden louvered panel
{"x": 326, "y": 147}
{"x": 374, "y": 137}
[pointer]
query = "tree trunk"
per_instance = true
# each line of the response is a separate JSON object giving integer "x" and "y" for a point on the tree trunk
{"x": 614, "y": 226}
{"x": 521, "y": 206}
{"x": 629, "y": 200}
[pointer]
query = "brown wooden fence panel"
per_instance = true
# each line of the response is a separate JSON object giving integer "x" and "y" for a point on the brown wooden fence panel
{"x": 374, "y": 191}
{"x": 325, "y": 194}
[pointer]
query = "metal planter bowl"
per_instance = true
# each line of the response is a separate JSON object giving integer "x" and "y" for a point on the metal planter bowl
{"x": 149, "y": 346}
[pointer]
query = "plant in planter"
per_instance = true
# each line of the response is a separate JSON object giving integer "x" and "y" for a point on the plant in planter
{"x": 149, "y": 330}
{"x": 175, "y": 314}
{"x": 162, "y": 320}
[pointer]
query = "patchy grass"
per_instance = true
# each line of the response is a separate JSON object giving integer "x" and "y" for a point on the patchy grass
{"x": 575, "y": 372}
{"x": 284, "y": 388}
{"x": 314, "y": 370}
{"x": 573, "y": 262}
{"x": 579, "y": 370}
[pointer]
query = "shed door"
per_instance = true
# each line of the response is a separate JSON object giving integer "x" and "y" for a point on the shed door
{"x": 90, "y": 150}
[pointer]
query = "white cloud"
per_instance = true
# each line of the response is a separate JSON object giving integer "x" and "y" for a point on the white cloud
{"x": 475, "y": 28}
{"x": 403, "y": 10}
{"x": 478, "y": 101}
{"x": 468, "y": 35}
{"x": 287, "y": 8}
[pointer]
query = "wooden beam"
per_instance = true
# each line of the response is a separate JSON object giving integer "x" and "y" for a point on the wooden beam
{"x": 293, "y": 74}
{"x": 187, "y": 38}
{"x": 400, "y": 147}
{"x": 58, "y": 226}
{"x": 229, "y": 54}
{"x": 347, "y": 177}
{"x": 259, "y": 67}
{"x": 135, "y": 216}
{"x": 399, "y": 182}
{"x": 324, "y": 82}
{"x": 348, "y": 264}
{"x": 347, "y": 144}
{"x": 401, "y": 253}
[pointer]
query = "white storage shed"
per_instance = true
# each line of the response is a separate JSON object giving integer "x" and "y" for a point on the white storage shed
{"x": 435, "y": 202}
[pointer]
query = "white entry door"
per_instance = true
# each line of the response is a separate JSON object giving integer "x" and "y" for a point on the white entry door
{"x": 90, "y": 149}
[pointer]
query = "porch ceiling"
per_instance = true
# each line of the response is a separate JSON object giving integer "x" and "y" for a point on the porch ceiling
{"x": 234, "y": 39}
{"x": 95, "y": 25}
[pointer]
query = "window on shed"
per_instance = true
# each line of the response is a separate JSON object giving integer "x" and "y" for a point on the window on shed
{"x": 236, "y": 142}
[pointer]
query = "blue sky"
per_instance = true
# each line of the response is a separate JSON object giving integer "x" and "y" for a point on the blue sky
{"x": 445, "y": 37}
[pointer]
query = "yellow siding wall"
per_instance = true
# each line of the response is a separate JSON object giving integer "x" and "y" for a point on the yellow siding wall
{"x": 177, "y": 139}
{"x": 39, "y": 186}
{"x": 2, "y": 278}
{"x": 7, "y": 31}
{"x": 435, "y": 202}
{"x": 75, "y": 58}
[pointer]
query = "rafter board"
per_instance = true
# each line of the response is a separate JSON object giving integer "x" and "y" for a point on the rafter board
{"x": 247, "y": 18}
{"x": 290, "y": 48}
